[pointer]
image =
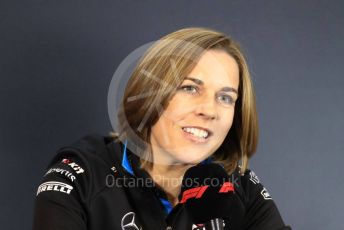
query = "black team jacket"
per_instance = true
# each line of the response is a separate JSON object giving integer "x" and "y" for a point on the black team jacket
{"x": 96, "y": 184}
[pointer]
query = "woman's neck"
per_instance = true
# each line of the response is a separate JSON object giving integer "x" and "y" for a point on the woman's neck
{"x": 169, "y": 178}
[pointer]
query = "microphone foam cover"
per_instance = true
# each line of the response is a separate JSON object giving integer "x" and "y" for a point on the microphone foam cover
{"x": 211, "y": 204}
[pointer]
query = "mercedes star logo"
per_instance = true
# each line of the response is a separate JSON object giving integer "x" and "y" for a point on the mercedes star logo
{"x": 128, "y": 222}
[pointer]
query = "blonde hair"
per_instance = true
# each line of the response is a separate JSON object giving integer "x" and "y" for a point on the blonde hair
{"x": 162, "y": 68}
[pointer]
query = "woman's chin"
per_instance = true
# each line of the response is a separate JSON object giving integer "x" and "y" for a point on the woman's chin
{"x": 189, "y": 160}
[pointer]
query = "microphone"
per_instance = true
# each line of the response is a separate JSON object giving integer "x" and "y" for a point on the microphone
{"x": 209, "y": 198}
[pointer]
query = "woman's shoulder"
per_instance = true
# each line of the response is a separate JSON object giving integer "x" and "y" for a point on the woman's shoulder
{"x": 253, "y": 186}
{"x": 261, "y": 210}
{"x": 83, "y": 164}
{"x": 90, "y": 150}
{"x": 73, "y": 179}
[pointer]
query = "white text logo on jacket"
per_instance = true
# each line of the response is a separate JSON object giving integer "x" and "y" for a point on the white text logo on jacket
{"x": 54, "y": 186}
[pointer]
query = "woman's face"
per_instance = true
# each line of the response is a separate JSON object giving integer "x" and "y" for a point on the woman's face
{"x": 200, "y": 114}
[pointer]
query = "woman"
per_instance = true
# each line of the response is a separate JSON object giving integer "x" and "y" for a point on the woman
{"x": 189, "y": 101}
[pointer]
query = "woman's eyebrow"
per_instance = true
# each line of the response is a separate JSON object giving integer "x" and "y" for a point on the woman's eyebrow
{"x": 200, "y": 82}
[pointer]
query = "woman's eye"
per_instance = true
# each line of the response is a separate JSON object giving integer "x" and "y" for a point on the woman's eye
{"x": 226, "y": 99}
{"x": 189, "y": 88}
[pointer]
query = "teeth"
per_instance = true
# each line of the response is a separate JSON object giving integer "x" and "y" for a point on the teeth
{"x": 197, "y": 132}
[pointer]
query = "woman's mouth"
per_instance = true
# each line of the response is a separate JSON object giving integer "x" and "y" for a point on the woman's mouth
{"x": 196, "y": 135}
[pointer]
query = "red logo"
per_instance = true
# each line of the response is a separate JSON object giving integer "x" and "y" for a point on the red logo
{"x": 66, "y": 161}
{"x": 193, "y": 193}
{"x": 227, "y": 187}
{"x": 198, "y": 192}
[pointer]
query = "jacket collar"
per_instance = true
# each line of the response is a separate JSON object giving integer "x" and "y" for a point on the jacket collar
{"x": 125, "y": 161}
{"x": 131, "y": 164}
{"x": 127, "y": 165}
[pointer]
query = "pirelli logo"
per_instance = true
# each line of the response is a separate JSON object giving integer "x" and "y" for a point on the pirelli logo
{"x": 54, "y": 186}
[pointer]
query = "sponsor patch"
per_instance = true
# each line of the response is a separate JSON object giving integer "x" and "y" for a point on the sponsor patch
{"x": 254, "y": 178}
{"x": 195, "y": 227}
{"x": 113, "y": 168}
{"x": 54, "y": 186}
{"x": 202, "y": 226}
{"x": 74, "y": 166}
{"x": 265, "y": 194}
{"x": 63, "y": 172}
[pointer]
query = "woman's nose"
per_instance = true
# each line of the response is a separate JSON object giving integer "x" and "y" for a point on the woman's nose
{"x": 207, "y": 109}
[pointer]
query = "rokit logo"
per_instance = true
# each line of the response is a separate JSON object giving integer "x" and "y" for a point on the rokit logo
{"x": 54, "y": 186}
{"x": 64, "y": 172}
{"x": 74, "y": 166}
